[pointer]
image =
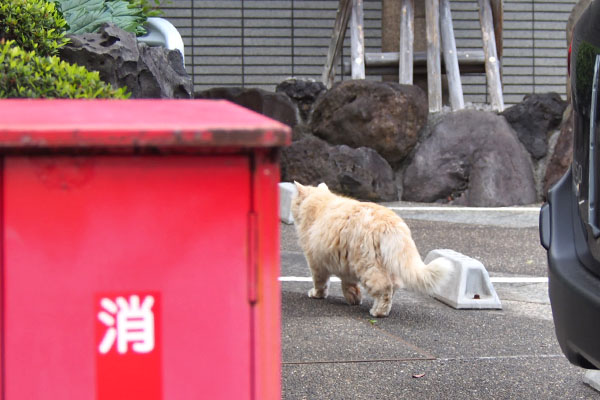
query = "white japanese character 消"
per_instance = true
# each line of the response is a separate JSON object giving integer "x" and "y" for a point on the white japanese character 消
{"x": 127, "y": 322}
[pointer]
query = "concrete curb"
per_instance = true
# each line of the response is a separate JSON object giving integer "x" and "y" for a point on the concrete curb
{"x": 469, "y": 287}
{"x": 592, "y": 378}
{"x": 287, "y": 190}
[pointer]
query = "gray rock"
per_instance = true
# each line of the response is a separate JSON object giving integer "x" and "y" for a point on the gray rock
{"x": 471, "y": 158}
{"x": 360, "y": 173}
{"x": 273, "y": 105}
{"x": 534, "y": 118}
{"x": 148, "y": 72}
{"x": 300, "y": 131}
{"x": 302, "y": 92}
{"x": 384, "y": 116}
{"x": 562, "y": 156}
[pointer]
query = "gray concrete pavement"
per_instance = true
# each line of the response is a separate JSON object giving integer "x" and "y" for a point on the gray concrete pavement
{"x": 425, "y": 349}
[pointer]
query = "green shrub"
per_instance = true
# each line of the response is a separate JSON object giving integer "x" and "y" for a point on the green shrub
{"x": 33, "y": 24}
{"x": 148, "y": 9}
{"x": 585, "y": 59}
{"x": 27, "y": 74}
{"x": 84, "y": 16}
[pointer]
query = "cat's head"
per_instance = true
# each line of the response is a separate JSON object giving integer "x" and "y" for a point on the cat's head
{"x": 303, "y": 192}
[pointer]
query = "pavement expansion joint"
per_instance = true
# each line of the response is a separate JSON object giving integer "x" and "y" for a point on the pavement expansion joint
{"x": 374, "y": 360}
{"x": 426, "y": 355}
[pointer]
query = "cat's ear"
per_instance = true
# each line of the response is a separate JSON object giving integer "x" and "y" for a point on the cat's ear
{"x": 301, "y": 188}
{"x": 322, "y": 185}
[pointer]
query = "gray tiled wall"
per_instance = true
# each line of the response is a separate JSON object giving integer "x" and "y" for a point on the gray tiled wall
{"x": 259, "y": 43}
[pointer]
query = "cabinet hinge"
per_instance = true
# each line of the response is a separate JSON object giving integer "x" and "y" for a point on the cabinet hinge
{"x": 252, "y": 257}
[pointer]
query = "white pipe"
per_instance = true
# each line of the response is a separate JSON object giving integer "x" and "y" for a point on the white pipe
{"x": 162, "y": 33}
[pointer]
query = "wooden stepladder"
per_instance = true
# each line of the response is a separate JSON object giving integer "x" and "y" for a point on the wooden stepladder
{"x": 440, "y": 40}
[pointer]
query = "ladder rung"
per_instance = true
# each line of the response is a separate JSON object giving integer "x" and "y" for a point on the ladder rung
{"x": 471, "y": 57}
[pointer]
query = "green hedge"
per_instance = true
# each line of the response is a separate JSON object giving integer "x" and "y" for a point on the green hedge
{"x": 27, "y": 74}
{"x": 33, "y": 24}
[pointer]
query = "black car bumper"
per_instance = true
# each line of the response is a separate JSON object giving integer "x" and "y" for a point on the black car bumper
{"x": 574, "y": 291}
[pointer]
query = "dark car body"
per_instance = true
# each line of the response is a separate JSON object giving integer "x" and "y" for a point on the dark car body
{"x": 570, "y": 221}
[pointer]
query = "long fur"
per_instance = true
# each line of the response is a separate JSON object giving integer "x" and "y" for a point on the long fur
{"x": 361, "y": 243}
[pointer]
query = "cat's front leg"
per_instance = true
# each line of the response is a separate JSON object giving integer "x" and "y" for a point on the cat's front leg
{"x": 320, "y": 277}
{"x": 320, "y": 289}
{"x": 321, "y": 285}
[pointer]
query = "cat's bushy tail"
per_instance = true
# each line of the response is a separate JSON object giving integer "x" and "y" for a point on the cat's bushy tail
{"x": 406, "y": 263}
{"x": 426, "y": 278}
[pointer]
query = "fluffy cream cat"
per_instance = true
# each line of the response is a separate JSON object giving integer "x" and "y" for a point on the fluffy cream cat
{"x": 361, "y": 243}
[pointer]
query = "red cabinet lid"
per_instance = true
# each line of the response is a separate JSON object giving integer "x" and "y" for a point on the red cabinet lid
{"x": 38, "y": 124}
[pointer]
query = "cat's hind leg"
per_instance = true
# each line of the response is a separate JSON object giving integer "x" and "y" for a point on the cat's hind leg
{"x": 351, "y": 292}
{"x": 380, "y": 287}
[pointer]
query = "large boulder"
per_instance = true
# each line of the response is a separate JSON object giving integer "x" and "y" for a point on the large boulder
{"x": 534, "y": 118}
{"x": 148, "y": 72}
{"x": 471, "y": 158}
{"x": 384, "y": 116}
{"x": 562, "y": 156}
{"x": 302, "y": 92}
{"x": 274, "y": 105}
{"x": 360, "y": 173}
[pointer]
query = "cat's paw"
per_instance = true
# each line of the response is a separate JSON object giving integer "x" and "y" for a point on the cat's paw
{"x": 381, "y": 308}
{"x": 379, "y": 313}
{"x": 352, "y": 295}
{"x": 317, "y": 294}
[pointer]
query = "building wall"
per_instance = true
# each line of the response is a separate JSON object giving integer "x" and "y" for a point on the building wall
{"x": 259, "y": 43}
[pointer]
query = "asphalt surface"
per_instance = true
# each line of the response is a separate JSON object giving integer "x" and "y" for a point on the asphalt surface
{"x": 426, "y": 349}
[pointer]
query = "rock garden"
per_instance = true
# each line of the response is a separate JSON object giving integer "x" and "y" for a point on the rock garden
{"x": 370, "y": 140}
{"x": 377, "y": 141}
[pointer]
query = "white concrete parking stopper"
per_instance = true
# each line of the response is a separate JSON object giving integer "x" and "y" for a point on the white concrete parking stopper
{"x": 469, "y": 285}
{"x": 287, "y": 190}
{"x": 592, "y": 378}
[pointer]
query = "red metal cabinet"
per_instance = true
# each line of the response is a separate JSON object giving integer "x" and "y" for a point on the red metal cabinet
{"x": 140, "y": 250}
